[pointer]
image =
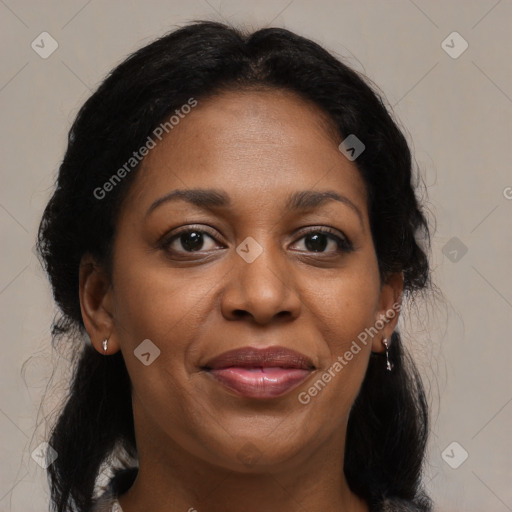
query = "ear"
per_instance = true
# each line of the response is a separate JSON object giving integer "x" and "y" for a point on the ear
{"x": 96, "y": 304}
{"x": 390, "y": 304}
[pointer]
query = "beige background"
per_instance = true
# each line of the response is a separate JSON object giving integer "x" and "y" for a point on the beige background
{"x": 456, "y": 113}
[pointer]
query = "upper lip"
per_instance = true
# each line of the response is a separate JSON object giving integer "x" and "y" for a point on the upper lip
{"x": 251, "y": 357}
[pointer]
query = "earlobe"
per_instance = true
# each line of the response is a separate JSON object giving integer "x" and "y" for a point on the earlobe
{"x": 96, "y": 304}
{"x": 390, "y": 304}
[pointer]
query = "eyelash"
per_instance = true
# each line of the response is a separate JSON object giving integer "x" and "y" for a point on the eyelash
{"x": 344, "y": 245}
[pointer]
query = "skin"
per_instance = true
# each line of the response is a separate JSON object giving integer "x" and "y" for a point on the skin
{"x": 258, "y": 147}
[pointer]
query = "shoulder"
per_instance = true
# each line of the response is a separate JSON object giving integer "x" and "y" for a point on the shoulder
{"x": 107, "y": 502}
{"x": 119, "y": 484}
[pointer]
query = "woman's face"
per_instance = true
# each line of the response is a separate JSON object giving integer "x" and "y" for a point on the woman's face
{"x": 253, "y": 272}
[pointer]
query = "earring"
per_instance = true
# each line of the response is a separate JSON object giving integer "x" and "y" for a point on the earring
{"x": 105, "y": 345}
{"x": 389, "y": 366}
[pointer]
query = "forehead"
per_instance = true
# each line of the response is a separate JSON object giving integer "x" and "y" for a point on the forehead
{"x": 249, "y": 142}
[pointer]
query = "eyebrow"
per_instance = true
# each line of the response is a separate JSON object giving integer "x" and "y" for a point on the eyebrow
{"x": 210, "y": 199}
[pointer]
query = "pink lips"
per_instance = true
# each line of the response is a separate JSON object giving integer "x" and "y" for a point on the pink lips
{"x": 260, "y": 373}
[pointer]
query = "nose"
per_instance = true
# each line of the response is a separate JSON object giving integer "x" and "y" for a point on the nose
{"x": 263, "y": 290}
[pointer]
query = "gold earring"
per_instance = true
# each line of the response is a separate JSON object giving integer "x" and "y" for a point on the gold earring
{"x": 105, "y": 345}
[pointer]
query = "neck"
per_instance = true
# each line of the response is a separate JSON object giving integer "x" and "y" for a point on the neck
{"x": 171, "y": 478}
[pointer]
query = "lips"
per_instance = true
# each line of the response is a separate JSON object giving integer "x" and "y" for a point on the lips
{"x": 260, "y": 373}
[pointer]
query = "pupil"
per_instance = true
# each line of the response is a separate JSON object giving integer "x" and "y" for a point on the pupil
{"x": 193, "y": 241}
{"x": 315, "y": 245}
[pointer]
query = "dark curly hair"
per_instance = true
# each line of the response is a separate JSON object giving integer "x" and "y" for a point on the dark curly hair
{"x": 388, "y": 423}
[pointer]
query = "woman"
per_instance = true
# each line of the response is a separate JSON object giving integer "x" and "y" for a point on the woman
{"x": 230, "y": 241}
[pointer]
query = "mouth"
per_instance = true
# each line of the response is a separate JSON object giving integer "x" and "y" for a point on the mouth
{"x": 260, "y": 373}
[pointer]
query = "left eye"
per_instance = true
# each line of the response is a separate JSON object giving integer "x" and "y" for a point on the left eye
{"x": 318, "y": 240}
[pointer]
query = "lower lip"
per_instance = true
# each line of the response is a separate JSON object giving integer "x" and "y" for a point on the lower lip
{"x": 260, "y": 382}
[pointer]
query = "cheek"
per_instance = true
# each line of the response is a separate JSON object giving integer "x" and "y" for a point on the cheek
{"x": 331, "y": 394}
{"x": 169, "y": 308}
{"x": 155, "y": 302}
{"x": 346, "y": 305}
{"x": 344, "y": 313}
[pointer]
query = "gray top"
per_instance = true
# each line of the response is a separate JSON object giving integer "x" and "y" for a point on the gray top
{"x": 107, "y": 502}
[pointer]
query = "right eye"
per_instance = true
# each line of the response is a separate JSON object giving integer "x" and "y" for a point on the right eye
{"x": 188, "y": 240}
